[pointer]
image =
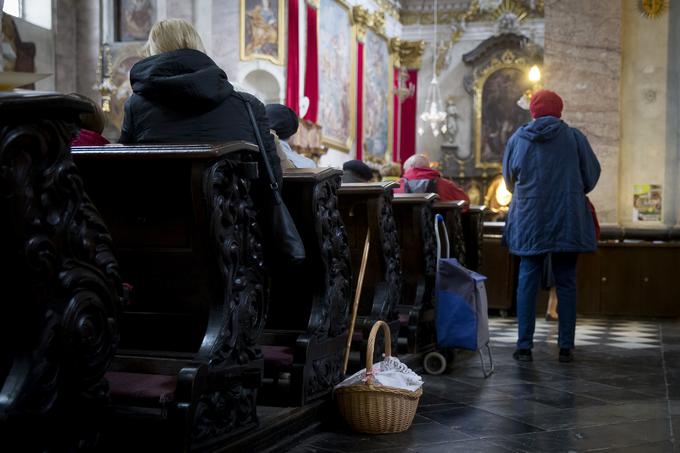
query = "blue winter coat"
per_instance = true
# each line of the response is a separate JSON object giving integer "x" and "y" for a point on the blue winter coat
{"x": 549, "y": 167}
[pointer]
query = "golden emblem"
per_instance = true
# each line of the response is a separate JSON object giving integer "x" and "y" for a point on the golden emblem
{"x": 652, "y": 8}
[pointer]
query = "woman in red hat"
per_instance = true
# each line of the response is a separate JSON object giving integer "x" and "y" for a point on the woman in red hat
{"x": 549, "y": 167}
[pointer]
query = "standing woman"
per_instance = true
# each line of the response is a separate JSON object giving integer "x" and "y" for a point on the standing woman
{"x": 549, "y": 167}
{"x": 181, "y": 96}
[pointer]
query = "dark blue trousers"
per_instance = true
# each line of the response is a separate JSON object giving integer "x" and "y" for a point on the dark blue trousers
{"x": 530, "y": 272}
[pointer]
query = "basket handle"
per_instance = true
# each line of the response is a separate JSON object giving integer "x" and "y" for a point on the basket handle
{"x": 370, "y": 348}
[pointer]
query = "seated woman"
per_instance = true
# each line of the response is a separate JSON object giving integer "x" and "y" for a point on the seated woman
{"x": 181, "y": 96}
{"x": 284, "y": 122}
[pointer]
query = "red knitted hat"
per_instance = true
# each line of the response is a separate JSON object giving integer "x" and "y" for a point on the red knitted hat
{"x": 546, "y": 103}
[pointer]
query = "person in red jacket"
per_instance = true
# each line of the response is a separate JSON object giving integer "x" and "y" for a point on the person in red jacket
{"x": 92, "y": 125}
{"x": 419, "y": 177}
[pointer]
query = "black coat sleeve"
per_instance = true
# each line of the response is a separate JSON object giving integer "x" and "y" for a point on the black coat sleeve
{"x": 127, "y": 133}
{"x": 267, "y": 139}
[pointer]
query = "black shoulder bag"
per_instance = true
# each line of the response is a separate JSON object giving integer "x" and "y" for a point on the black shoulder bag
{"x": 286, "y": 243}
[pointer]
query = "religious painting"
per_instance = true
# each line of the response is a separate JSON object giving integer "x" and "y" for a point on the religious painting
{"x": 377, "y": 93}
{"x": 134, "y": 19}
{"x": 262, "y": 30}
{"x": 501, "y": 116}
{"x": 336, "y": 74}
{"x": 123, "y": 57}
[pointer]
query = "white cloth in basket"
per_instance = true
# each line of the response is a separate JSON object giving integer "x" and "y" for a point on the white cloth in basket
{"x": 391, "y": 372}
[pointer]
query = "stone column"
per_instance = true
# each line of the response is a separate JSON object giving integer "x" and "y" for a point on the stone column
{"x": 64, "y": 26}
{"x": 644, "y": 109}
{"x": 87, "y": 48}
{"x": 583, "y": 64}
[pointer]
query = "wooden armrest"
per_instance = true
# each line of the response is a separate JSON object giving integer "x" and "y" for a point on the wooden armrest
{"x": 179, "y": 151}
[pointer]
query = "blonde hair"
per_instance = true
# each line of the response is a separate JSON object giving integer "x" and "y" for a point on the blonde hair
{"x": 172, "y": 34}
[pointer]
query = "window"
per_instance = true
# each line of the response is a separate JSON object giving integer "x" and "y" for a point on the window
{"x": 38, "y": 12}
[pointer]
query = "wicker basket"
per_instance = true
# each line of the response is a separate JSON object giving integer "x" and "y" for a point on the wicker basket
{"x": 376, "y": 409}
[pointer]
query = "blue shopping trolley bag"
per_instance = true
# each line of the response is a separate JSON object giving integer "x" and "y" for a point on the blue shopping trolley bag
{"x": 462, "y": 319}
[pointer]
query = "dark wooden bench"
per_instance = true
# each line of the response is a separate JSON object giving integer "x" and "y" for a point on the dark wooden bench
{"x": 415, "y": 225}
{"x": 452, "y": 211}
{"x": 189, "y": 245}
{"x": 367, "y": 206}
{"x": 473, "y": 231}
{"x": 306, "y": 330}
{"x": 61, "y": 287}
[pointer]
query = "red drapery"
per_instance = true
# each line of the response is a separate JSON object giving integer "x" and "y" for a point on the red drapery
{"x": 293, "y": 57}
{"x": 360, "y": 99}
{"x": 312, "y": 66}
{"x": 408, "y": 120}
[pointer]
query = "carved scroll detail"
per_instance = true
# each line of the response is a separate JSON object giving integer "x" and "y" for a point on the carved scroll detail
{"x": 332, "y": 319}
{"x": 236, "y": 236}
{"x": 327, "y": 371}
{"x": 389, "y": 241}
{"x": 63, "y": 287}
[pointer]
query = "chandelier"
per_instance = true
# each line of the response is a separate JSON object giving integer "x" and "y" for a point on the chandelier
{"x": 434, "y": 113}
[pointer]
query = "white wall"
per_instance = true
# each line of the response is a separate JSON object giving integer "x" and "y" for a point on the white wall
{"x": 44, "y": 57}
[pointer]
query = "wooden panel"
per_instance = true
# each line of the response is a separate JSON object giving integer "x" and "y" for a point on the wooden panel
{"x": 620, "y": 281}
{"x": 499, "y": 269}
{"x": 660, "y": 292}
{"x": 588, "y": 284}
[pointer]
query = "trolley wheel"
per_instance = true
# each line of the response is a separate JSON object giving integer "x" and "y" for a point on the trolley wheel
{"x": 434, "y": 363}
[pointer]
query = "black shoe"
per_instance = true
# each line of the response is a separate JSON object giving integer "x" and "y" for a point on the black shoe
{"x": 522, "y": 355}
{"x": 566, "y": 355}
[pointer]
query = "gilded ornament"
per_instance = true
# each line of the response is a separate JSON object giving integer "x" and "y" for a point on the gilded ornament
{"x": 378, "y": 22}
{"x": 652, "y": 9}
{"x": 362, "y": 18}
{"x": 411, "y": 53}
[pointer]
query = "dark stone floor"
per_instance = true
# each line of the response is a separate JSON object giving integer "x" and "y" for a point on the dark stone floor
{"x": 622, "y": 393}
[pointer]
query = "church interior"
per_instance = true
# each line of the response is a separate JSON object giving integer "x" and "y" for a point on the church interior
{"x": 340, "y": 225}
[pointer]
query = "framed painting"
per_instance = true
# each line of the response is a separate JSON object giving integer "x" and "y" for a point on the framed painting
{"x": 134, "y": 19}
{"x": 262, "y": 30}
{"x": 377, "y": 110}
{"x": 124, "y": 56}
{"x": 497, "y": 116}
{"x": 337, "y": 63}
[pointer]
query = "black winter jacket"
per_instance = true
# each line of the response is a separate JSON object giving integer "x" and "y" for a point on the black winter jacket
{"x": 184, "y": 97}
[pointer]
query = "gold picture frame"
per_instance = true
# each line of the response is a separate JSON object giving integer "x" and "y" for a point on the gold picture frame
{"x": 507, "y": 61}
{"x": 330, "y": 141}
{"x": 250, "y": 51}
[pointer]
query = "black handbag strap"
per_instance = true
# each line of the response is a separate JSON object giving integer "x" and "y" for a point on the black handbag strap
{"x": 260, "y": 144}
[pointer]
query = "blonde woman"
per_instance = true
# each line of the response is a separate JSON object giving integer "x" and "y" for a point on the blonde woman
{"x": 181, "y": 96}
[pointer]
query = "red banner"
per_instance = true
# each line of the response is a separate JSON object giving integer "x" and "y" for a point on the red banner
{"x": 360, "y": 100}
{"x": 312, "y": 65}
{"x": 293, "y": 57}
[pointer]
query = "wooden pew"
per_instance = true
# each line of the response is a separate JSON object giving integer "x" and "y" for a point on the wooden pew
{"x": 415, "y": 225}
{"x": 367, "y": 206}
{"x": 189, "y": 245}
{"x": 452, "y": 212}
{"x": 473, "y": 231}
{"x": 306, "y": 330}
{"x": 61, "y": 287}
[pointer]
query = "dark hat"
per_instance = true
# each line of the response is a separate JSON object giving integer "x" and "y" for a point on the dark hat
{"x": 546, "y": 103}
{"x": 283, "y": 120}
{"x": 359, "y": 168}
